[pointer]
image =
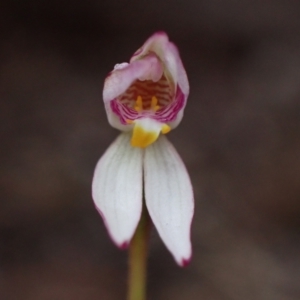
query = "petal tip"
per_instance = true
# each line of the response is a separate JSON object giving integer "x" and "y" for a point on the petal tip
{"x": 160, "y": 33}
{"x": 124, "y": 245}
{"x": 185, "y": 262}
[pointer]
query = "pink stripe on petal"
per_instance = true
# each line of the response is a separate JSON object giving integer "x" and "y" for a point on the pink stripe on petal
{"x": 166, "y": 114}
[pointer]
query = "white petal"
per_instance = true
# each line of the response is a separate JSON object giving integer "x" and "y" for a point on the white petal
{"x": 169, "y": 197}
{"x": 117, "y": 189}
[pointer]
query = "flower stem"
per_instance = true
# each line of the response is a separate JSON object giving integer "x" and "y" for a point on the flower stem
{"x": 138, "y": 259}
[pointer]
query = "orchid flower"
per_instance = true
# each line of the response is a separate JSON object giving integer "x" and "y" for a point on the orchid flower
{"x": 145, "y": 99}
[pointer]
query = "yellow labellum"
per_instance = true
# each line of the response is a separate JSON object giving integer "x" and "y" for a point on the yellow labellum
{"x": 165, "y": 129}
{"x": 146, "y": 130}
{"x": 142, "y": 138}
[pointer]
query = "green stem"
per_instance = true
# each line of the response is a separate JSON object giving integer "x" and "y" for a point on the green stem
{"x": 138, "y": 259}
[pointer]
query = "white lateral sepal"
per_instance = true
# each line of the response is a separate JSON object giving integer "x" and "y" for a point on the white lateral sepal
{"x": 169, "y": 197}
{"x": 117, "y": 189}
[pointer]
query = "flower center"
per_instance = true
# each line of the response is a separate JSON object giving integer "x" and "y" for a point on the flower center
{"x": 147, "y": 97}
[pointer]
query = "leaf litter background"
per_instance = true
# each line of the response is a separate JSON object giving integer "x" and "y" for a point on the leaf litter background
{"x": 239, "y": 139}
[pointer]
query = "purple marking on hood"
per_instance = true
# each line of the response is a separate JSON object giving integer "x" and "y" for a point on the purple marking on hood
{"x": 164, "y": 115}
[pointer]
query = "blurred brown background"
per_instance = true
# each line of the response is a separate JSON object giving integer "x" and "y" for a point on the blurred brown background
{"x": 239, "y": 139}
